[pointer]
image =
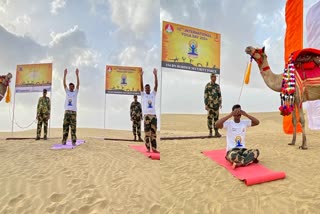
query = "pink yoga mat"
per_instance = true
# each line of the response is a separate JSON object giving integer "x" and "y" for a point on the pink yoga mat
{"x": 143, "y": 149}
{"x": 252, "y": 174}
{"x": 68, "y": 145}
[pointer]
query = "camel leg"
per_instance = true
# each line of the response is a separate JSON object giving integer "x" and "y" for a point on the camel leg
{"x": 294, "y": 122}
{"x": 304, "y": 138}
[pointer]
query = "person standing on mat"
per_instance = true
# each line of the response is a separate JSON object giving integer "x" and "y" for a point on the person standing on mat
{"x": 70, "y": 106}
{"x": 213, "y": 102}
{"x": 43, "y": 115}
{"x": 136, "y": 117}
{"x": 148, "y": 100}
{"x": 237, "y": 154}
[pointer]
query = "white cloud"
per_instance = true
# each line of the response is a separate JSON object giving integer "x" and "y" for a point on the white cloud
{"x": 135, "y": 16}
{"x": 57, "y": 5}
{"x": 25, "y": 19}
{"x": 3, "y": 5}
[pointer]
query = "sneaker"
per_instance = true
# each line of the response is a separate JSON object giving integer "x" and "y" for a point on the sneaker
{"x": 45, "y": 138}
{"x": 135, "y": 138}
{"x": 74, "y": 144}
{"x": 37, "y": 138}
{"x": 140, "y": 139}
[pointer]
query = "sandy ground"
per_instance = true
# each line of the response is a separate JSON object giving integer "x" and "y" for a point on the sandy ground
{"x": 97, "y": 177}
{"x": 109, "y": 177}
{"x": 192, "y": 183}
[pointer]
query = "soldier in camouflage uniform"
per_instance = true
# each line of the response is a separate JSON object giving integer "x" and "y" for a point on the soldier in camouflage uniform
{"x": 237, "y": 153}
{"x": 136, "y": 117}
{"x": 212, "y": 101}
{"x": 70, "y": 115}
{"x": 148, "y": 100}
{"x": 43, "y": 115}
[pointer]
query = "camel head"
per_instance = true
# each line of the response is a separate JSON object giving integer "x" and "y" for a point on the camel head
{"x": 257, "y": 54}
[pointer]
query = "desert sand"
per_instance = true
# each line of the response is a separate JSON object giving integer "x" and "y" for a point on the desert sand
{"x": 192, "y": 183}
{"x": 109, "y": 177}
{"x": 96, "y": 177}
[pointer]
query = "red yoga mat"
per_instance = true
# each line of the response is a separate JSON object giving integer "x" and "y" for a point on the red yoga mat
{"x": 143, "y": 150}
{"x": 252, "y": 174}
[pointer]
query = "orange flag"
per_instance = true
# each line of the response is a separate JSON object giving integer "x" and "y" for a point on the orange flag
{"x": 293, "y": 42}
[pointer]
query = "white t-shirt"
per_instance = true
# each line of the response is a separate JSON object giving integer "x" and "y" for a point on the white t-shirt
{"x": 236, "y": 133}
{"x": 71, "y": 100}
{"x": 148, "y": 102}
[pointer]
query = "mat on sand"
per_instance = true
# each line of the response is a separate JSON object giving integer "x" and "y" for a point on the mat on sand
{"x": 185, "y": 137}
{"x": 68, "y": 145}
{"x": 142, "y": 149}
{"x": 252, "y": 174}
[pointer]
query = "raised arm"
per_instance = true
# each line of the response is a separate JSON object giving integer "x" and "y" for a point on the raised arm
{"x": 141, "y": 74}
{"x": 254, "y": 121}
{"x": 219, "y": 123}
{"x": 64, "y": 78}
{"x": 155, "y": 72}
{"x": 78, "y": 81}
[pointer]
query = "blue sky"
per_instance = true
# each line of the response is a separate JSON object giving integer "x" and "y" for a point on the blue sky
{"x": 89, "y": 34}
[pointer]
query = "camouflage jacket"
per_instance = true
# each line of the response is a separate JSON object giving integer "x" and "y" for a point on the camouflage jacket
{"x": 212, "y": 96}
{"x": 43, "y": 106}
{"x": 135, "y": 111}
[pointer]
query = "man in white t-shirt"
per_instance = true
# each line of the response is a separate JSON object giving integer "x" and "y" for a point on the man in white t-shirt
{"x": 148, "y": 101}
{"x": 237, "y": 154}
{"x": 70, "y": 107}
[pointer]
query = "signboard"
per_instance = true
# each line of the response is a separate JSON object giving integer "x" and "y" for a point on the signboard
{"x": 33, "y": 77}
{"x": 189, "y": 48}
{"x": 123, "y": 80}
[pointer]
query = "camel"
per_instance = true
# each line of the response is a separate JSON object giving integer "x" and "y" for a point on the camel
{"x": 306, "y": 61}
{"x": 4, "y": 83}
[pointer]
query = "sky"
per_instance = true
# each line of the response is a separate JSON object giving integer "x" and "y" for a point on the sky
{"x": 89, "y": 34}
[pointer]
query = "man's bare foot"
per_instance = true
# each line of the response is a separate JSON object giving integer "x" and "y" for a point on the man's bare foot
{"x": 234, "y": 165}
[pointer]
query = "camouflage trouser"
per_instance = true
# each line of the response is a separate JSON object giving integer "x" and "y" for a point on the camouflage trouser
{"x": 212, "y": 115}
{"x": 136, "y": 127}
{"x": 42, "y": 118}
{"x": 70, "y": 119}
{"x": 242, "y": 156}
{"x": 150, "y": 131}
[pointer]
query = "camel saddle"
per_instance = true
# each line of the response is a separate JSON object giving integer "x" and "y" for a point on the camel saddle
{"x": 307, "y": 63}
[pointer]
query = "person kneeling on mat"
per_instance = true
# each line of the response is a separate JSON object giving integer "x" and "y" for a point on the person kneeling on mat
{"x": 237, "y": 154}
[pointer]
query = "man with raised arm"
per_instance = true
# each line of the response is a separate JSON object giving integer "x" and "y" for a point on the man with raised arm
{"x": 70, "y": 106}
{"x": 148, "y": 100}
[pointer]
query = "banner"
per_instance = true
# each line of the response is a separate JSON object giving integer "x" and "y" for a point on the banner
{"x": 190, "y": 48}
{"x": 123, "y": 80}
{"x": 33, "y": 77}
